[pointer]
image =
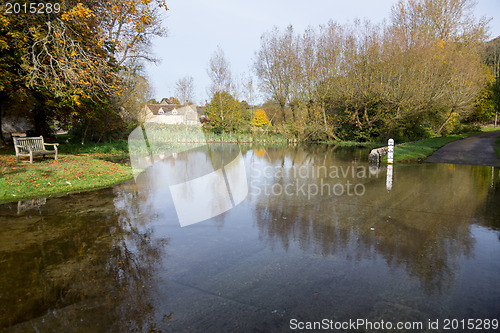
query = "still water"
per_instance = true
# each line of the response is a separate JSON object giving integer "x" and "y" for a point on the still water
{"x": 319, "y": 235}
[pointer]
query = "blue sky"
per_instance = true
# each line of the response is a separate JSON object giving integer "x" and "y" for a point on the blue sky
{"x": 196, "y": 27}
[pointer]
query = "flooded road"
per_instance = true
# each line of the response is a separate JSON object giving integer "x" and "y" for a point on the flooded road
{"x": 319, "y": 234}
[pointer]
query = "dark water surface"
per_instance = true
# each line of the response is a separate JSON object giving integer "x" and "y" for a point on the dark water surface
{"x": 319, "y": 236}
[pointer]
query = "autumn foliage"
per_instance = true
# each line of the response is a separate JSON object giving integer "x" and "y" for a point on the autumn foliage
{"x": 260, "y": 118}
{"x": 418, "y": 75}
{"x": 65, "y": 65}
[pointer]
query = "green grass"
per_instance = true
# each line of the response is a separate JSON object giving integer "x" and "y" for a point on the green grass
{"x": 490, "y": 128}
{"x": 422, "y": 149}
{"x": 47, "y": 177}
{"x": 115, "y": 147}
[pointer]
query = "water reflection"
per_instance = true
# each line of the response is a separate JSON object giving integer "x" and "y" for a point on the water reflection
{"x": 318, "y": 236}
{"x": 388, "y": 181}
{"x": 77, "y": 263}
{"x": 203, "y": 182}
{"x": 23, "y": 206}
{"x": 422, "y": 224}
{"x": 176, "y": 155}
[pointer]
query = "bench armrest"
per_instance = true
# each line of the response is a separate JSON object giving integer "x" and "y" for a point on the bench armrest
{"x": 50, "y": 144}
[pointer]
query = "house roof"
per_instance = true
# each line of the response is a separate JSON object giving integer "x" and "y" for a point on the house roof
{"x": 167, "y": 108}
{"x": 191, "y": 112}
{"x": 200, "y": 110}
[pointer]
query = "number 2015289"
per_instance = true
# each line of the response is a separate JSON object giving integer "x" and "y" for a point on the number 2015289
{"x": 32, "y": 8}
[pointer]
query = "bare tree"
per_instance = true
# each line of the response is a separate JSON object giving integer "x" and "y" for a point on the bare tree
{"x": 320, "y": 57}
{"x": 219, "y": 72}
{"x": 184, "y": 88}
{"x": 426, "y": 21}
{"x": 248, "y": 86}
{"x": 276, "y": 66}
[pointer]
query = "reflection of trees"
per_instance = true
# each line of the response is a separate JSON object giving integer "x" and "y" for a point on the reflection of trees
{"x": 208, "y": 166}
{"x": 79, "y": 264}
{"x": 491, "y": 207}
{"x": 421, "y": 225}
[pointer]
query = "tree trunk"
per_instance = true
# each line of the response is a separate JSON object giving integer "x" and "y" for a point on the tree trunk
{"x": 84, "y": 134}
{"x": 496, "y": 116}
{"x": 324, "y": 116}
{"x": 446, "y": 122}
{"x": 388, "y": 136}
{"x": 332, "y": 135}
{"x": 40, "y": 118}
{"x": 40, "y": 115}
{"x": 2, "y": 99}
{"x": 282, "y": 107}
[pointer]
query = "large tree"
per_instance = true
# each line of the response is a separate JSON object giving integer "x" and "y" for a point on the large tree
{"x": 276, "y": 66}
{"x": 75, "y": 55}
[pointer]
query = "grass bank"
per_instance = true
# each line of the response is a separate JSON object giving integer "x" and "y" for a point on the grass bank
{"x": 70, "y": 173}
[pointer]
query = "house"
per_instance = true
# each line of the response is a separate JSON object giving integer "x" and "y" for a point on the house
{"x": 166, "y": 113}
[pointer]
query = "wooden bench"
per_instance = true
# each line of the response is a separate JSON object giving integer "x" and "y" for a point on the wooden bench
{"x": 32, "y": 146}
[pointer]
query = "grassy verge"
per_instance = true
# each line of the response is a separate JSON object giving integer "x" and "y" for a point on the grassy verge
{"x": 420, "y": 150}
{"x": 70, "y": 173}
{"x": 119, "y": 147}
{"x": 490, "y": 128}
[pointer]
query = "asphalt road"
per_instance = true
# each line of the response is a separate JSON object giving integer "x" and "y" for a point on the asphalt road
{"x": 474, "y": 150}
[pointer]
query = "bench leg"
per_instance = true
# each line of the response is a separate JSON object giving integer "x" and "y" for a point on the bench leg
{"x": 31, "y": 158}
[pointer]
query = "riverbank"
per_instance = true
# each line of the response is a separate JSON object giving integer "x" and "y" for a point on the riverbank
{"x": 93, "y": 166}
{"x": 70, "y": 173}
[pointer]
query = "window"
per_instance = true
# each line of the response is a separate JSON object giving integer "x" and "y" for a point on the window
{"x": 174, "y": 111}
{"x": 161, "y": 111}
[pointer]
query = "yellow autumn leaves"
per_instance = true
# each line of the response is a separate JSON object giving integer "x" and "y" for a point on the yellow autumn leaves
{"x": 260, "y": 118}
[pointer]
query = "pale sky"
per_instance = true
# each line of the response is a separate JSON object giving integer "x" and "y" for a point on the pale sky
{"x": 196, "y": 27}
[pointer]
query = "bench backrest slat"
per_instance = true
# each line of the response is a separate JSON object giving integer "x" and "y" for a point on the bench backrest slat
{"x": 22, "y": 145}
